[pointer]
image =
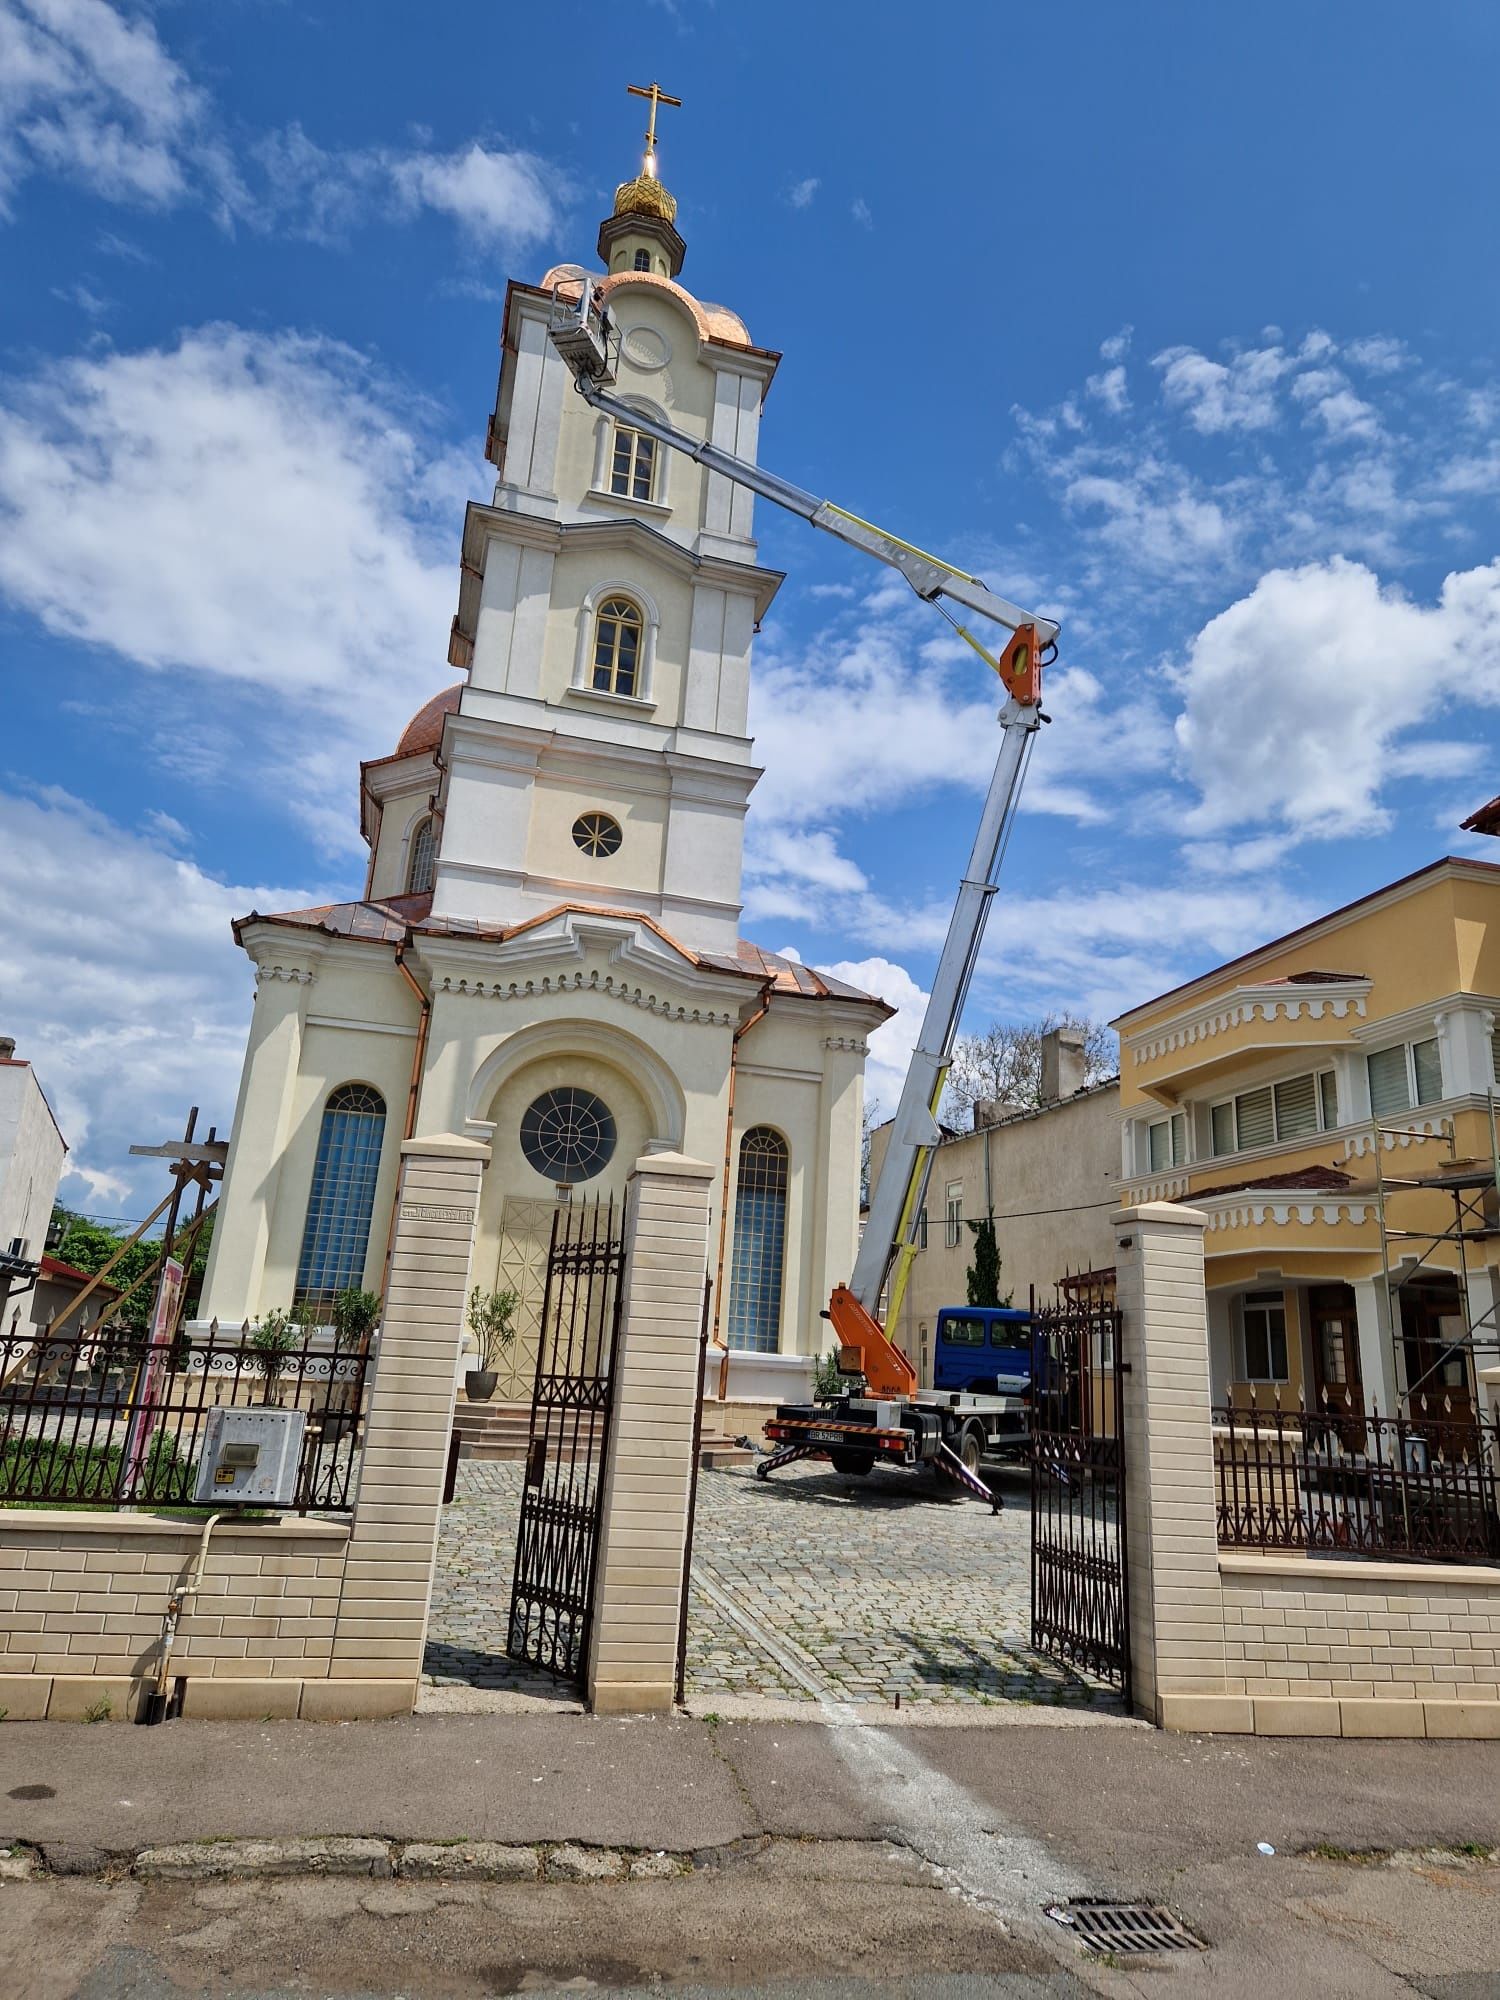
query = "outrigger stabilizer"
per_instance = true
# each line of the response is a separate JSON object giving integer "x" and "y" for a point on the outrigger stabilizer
{"x": 885, "y": 1424}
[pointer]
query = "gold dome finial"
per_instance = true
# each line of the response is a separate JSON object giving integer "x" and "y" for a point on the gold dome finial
{"x": 645, "y": 195}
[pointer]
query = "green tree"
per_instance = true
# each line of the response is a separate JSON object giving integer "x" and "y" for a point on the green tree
{"x": 983, "y": 1275}
{"x": 88, "y": 1247}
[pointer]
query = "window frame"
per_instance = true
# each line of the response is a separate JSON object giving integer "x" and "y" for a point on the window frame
{"x": 1318, "y": 1079}
{"x": 600, "y": 594}
{"x": 1175, "y": 1126}
{"x": 339, "y": 1213}
{"x": 1415, "y": 1101}
{"x": 953, "y": 1215}
{"x": 639, "y": 446}
{"x": 424, "y": 827}
{"x": 614, "y": 606}
{"x": 1268, "y": 1302}
{"x": 757, "y": 1296}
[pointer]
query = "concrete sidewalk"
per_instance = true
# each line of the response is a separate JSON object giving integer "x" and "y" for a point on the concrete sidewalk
{"x": 838, "y": 1845}
{"x": 1119, "y": 1798}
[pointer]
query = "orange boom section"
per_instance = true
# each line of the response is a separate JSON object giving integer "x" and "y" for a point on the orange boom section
{"x": 864, "y": 1347}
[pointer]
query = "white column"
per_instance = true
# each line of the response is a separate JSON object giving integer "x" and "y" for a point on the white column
{"x": 1377, "y": 1352}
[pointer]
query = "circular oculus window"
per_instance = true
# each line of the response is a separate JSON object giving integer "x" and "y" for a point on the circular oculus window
{"x": 568, "y": 1135}
{"x": 597, "y": 834}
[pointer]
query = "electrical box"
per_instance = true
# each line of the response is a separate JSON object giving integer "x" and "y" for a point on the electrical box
{"x": 250, "y": 1457}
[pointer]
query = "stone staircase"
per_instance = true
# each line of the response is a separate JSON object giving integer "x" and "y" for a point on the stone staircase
{"x": 498, "y": 1433}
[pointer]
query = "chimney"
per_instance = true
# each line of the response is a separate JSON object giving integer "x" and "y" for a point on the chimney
{"x": 990, "y": 1111}
{"x": 7, "y": 1047}
{"x": 1063, "y": 1064}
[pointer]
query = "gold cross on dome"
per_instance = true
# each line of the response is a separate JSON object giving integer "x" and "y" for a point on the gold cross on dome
{"x": 657, "y": 97}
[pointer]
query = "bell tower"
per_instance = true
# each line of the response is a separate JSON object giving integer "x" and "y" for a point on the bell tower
{"x": 608, "y": 597}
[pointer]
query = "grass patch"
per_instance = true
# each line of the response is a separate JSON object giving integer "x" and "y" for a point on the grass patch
{"x": 47, "y": 1472}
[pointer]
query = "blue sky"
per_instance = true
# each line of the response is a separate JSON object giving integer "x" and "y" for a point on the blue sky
{"x": 1177, "y": 321}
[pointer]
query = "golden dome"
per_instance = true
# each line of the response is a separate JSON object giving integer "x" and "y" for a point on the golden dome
{"x": 645, "y": 195}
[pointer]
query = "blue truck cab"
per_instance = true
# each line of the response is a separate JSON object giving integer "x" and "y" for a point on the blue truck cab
{"x": 984, "y": 1350}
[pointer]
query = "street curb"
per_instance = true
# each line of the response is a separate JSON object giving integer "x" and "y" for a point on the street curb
{"x": 367, "y": 1857}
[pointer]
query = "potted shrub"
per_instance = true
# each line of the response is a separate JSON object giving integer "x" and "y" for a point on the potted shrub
{"x": 273, "y": 1340}
{"x": 491, "y": 1319}
{"x": 355, "y": 1315}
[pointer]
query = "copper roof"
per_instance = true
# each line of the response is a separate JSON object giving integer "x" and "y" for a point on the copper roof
{"x": 393, "y": 919}
{"x": 1486, "y": 820}
{"x": 425, "y": 730}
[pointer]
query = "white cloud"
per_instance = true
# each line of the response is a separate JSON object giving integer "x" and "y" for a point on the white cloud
{"x": 892, "y": 1042}
{"x": 1117, "y": 346}
{"x": 1153, "y": 516}
{"x": 859, "y": 208}
{"x": 122, "y": 984}
{"x": 1239, "y": 396}
{"x": 1109, "y": 389}
{"x": 1296, "y": 695}
{"x": 1380, "y": 354}
{"x": 248, "y": 510}
{"x": 91, "y": 95}
{"x": 800, "y": 193}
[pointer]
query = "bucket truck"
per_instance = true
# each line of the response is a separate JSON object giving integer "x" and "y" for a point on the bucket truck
{"x": 883, "y": 1418}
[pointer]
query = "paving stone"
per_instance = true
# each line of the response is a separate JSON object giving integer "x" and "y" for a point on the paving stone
{"x": 871, "y": 1590}
{"x": 192, "y": 1860}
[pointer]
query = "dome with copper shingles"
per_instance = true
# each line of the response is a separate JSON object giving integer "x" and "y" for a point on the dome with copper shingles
{"x": 425, "y": 730}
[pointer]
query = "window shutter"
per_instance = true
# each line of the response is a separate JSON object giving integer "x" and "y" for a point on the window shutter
{"x": 1222, "y": 1121}
{"x": 1328, "y": 1097}
{"x": 1389, "y": 1091}
{"x": 1296, "y": 1107}
{"x": 1255, "y": 1118}
{"x": 1428, "y": 1064}
{"x": 1160, "y": 1155}
{"x": 1179, "y": 1138}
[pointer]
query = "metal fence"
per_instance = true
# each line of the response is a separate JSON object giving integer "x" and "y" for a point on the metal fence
{"x": 1421, "y": 1487}
{"x": 108, "y": 1421}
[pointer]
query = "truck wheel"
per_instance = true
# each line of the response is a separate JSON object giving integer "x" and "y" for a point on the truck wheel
{"x": 857, "y": 1463}
{"x": 971, "y": 1448}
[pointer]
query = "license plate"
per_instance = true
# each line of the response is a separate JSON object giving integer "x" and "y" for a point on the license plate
{"x": 826, "y": 1437}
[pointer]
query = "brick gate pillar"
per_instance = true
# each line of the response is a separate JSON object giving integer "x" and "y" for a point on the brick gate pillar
{"x": 648, "y": 1470}
{"x": 1177, "y": 1638}
{"x": 382, "y": 1621}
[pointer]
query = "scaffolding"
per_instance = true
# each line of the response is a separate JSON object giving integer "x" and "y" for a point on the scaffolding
{"x": 1473, "y": 1185}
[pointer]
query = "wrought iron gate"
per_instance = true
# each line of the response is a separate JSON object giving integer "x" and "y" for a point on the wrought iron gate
{"x": 552, "y": 1599}
{"x": 1080, "y": 1606}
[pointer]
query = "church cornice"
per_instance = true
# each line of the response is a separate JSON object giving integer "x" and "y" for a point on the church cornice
{"x": 609, "y": 985}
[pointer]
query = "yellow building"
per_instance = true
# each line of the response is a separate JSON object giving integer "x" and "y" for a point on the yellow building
{"x": 1303, "y": 1094}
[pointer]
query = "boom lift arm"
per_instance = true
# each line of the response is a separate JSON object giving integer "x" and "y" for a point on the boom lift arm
{"x": 585, "y": 336}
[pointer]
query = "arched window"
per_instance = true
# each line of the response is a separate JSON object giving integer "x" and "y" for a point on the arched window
{"x": 632, "y": 469}
{"x": 759, "y": 1242}
{"x": 337, "y": 1232}
{"x": 618, "y": 629}
{"x": 643, "y": 260}
{"x": 423, "y": 859}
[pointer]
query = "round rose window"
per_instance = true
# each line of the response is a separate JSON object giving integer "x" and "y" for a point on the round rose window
{"x": 568, "y": 1135}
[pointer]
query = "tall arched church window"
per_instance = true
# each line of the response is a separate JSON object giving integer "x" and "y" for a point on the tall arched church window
{"x": 423, "y": 862}
{"x": 618, "y": 629}
{"x": 337, "y": 1231}
{"x": 632, "y": 470}
{"x": 759, "y": 1242}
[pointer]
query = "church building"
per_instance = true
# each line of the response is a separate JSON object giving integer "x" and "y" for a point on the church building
{"x": 547, "y": 956}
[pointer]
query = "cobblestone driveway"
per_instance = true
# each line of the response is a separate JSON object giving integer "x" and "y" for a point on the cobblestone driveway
{"x": 806, "y": 1583}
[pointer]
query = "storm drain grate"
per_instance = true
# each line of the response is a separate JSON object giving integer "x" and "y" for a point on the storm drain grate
{"x": 1106, "y": 1926}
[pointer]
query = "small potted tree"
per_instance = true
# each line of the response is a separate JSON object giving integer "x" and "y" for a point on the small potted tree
{"x": 273, "y": 1340}
{"x": 355, "y": 1315}
{"x": 491, "y": 1319}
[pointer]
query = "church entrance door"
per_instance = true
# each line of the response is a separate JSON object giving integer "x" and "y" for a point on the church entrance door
{"x": 525, "y": 1234}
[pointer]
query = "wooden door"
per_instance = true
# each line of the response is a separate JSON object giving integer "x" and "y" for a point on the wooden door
{"x": 1437, "y": 1360}
{"x": 1337, "y": 1384}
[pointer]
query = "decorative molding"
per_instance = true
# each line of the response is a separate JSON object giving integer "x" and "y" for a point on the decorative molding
{"x": 295, "y": 975}
{"x": 551, "y": 985}
{"x": 855, "y": 1045}
{"x": 645, "y": 348}
{"x": 1239, "y": 1213}
{"x": 1248, "y": 1004}
{"x": 1418, "y": 1131}
{"x": 359, "y": 1027}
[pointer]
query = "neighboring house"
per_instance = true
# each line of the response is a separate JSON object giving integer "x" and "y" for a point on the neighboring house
{"x": 1048, "y": 1175}
{"x": 1305, "y": 1091}
{"x": 58, "y": 1285}
{"x": 547, "y": 956}
{"x": 32, "y": 1150}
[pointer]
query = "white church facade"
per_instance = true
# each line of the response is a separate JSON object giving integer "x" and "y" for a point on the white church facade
{"x": 547, "y": 956}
